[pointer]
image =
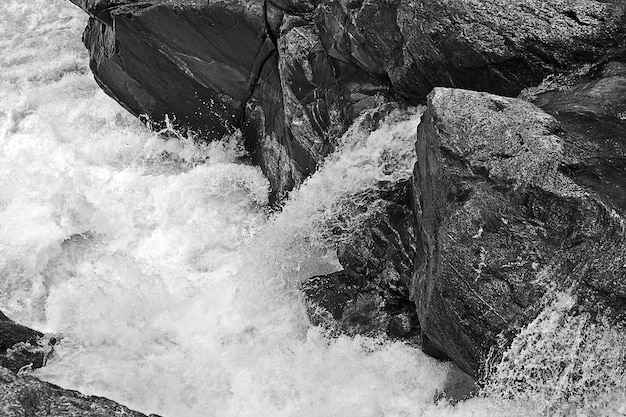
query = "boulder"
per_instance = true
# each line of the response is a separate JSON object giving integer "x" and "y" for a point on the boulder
{"x": 505, "y": 221}
{"x": 196, "y": 63}
{"x": 293, "y": 74}
{"x": 594, "y": 106}
{"x": 25, "y": 395}
{"x": 214, "y": 68}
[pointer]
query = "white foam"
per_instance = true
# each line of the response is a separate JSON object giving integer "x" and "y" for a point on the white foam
{"x": 174, "y": 289}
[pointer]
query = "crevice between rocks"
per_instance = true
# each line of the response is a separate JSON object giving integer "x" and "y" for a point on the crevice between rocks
{"x": 256, "y": 75}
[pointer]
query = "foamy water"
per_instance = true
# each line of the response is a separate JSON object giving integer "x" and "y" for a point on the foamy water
{"x": 173, "y": 287}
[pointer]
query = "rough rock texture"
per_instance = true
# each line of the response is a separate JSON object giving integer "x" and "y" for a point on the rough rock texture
{"x": 371, "y": 295}
{"x": 214, "y": 67}
{"x": 23, "y": 349}
{"x": 24, "y": 395}
{"x": 595, "y": 107}
{"x": 499, "y": 46}
{"x": 504, "y": 220}
{"x": 19, "y": 346}
{"x": 293, "y": 74}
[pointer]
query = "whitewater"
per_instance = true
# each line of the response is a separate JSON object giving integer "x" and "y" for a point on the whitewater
{"x": 158, "y": 263}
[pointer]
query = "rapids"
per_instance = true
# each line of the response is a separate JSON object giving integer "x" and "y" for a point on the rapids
{"x": 156, "y": 259}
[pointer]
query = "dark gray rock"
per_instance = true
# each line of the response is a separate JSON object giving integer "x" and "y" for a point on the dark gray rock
{"x": 371, "y": 295}
{"x": 293, "y": 74}
{"x": 215, "y": 67}
{"x": 25, "y": 395}
{"x": 20, "y": 346}
{"x": 594, "y": 107}
{"x": 197, "y": 63}
{"x": 502, "y": 223}
{"x": 499, "y": 46}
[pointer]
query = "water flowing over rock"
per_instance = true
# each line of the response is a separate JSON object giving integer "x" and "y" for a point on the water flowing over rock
{"x": 371, "y": 295}
{"x": 25, "y": 395}
{"x": 19, "y": 346}
{"x": 504, "y": 219}
{"x": 22, "y": 350}
{"x": 292, "y": 75}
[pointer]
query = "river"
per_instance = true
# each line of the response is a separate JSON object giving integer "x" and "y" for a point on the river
{"x": 157, "y": 260}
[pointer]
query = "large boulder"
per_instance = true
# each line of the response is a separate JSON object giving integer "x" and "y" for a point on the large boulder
{"x": 293, "y": 74}
{"x": 499, "y": 46}
{"x": 512, "y": 206}
{"x": 214, "y": 68}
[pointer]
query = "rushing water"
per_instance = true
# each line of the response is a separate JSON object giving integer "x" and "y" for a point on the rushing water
{"x": 157, "y": 260}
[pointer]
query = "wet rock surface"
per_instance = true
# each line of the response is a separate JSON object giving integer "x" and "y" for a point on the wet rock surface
{"x": 371, "y": 295}
{"x": 25, "y": 395}
{"x": 501, "y": 222}
{"x": 22, "y": 350}
{"x": 293, "y": 74}
{"x": 594, "y": 108}
{"x": 20, "y": 346}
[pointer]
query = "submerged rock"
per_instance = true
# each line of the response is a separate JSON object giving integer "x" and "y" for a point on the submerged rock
{"x": 503, "y": 222}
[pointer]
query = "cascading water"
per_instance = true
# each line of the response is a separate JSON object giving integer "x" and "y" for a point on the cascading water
{"x": 174, "y": 288}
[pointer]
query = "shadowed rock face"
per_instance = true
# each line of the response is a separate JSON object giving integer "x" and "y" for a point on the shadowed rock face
{"x": 502, "y": 222}
{"x": 19, "y": 345}
{"x": 371, "y": 295}
{"x": 216, "y": 67}
{"x": 594, "y": 108}
{"x": 293, "y": 74}
{"x": 24, "y": 395}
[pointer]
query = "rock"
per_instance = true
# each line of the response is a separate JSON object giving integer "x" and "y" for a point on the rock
{"x": 19, "y": 346}
{"x": 23, "y": 349}
{"x": 458, "y": 386}
{"x": 197, "y": 63}
{"x": 293, "y": 74}
{"x": 595, "y": 107}
{"x": 497, "y": 46}
{"x": 371, "y": 295}
{"x": 214, "y": 68}
{"x": 25, "y": 395}
{"x": 504, "y": 222}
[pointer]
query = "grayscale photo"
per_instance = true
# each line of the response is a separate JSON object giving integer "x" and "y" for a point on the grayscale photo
{"x": 312, "y": 208}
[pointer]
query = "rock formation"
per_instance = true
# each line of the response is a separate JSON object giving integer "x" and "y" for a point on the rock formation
{"x": 20, "y": 346}
{"x": 371, "y": 295}
{"x": 508, "y": 202}
{"x": 504, "y": 217}
{"x": 293, "y": 74}
{"x": 23, "y": 349}
{"x": 25, "y": 395}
